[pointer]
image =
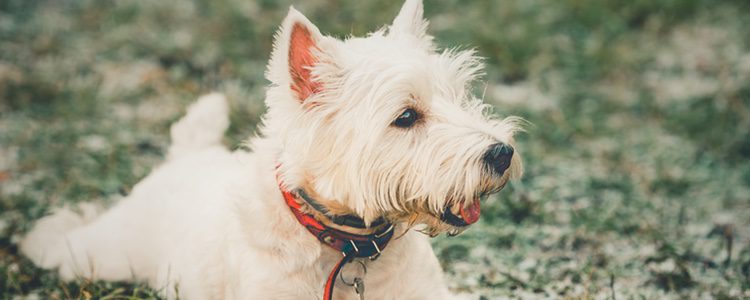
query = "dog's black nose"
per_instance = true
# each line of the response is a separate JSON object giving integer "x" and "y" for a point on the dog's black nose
{"x": 498, "y": 158}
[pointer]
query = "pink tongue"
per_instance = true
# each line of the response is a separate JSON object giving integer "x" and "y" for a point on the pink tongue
{"x": 470, "y": 214}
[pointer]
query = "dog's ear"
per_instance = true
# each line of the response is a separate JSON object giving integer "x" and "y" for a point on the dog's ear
{"x": 296, "y": 50}
{"x": 410, "y": 21}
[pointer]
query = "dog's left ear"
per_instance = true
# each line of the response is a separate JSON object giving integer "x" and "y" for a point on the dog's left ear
{"x": 296, "y": 51}
{"x": 410, "y": 22}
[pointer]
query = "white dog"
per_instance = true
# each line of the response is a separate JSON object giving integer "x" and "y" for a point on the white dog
{"x": 365, "y": 141}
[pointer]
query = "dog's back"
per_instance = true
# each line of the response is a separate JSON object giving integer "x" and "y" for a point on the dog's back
{"x": 171, "y": 215}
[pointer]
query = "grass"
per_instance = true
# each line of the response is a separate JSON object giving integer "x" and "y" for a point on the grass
{"x": 638, "y": 156}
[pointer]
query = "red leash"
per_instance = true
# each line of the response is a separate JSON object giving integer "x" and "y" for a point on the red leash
{"x": 328, "y": 293}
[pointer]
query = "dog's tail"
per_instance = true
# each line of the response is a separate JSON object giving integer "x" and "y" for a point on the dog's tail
{"x": 203, "y": 126}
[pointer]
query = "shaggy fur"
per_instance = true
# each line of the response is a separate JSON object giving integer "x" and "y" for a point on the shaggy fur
{"x": 211, "y": 224}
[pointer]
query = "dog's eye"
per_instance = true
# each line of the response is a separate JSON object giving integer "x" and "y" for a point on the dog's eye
{"x": 406, "y": 119}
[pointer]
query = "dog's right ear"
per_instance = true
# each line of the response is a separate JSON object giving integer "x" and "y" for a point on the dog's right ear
{"x": 410, "y": 21}
{"x": 296, "y": 51}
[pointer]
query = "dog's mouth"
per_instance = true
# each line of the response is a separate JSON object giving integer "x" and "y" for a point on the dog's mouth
{"x": 464, "y": 214}
{"x": 457, "y": 214}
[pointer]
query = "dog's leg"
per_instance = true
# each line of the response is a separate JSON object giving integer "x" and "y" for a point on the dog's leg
{"x": 427, "y": 280}
{"x": 43, "y": 242}
{"x": 99, "y": 249}
{"x": 76, "y": 245}
{"x": 409, "y": 269}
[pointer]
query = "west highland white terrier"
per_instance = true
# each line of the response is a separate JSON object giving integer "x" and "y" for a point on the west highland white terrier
{"x": 368, "y": 144}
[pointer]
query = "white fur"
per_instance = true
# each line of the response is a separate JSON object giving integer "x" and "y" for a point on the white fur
{"x": 211, "y": 224}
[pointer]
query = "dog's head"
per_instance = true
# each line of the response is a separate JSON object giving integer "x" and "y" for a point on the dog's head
{"x": 385, "y": 125}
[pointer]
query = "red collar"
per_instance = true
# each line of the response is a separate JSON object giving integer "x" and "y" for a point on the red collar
{"x": 350, "y": 245}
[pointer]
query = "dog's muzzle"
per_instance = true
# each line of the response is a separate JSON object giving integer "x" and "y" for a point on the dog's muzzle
{"x": 497, "y": 159}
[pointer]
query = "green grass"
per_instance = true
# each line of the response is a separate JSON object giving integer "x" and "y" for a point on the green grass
{"x": 637, "y": 157}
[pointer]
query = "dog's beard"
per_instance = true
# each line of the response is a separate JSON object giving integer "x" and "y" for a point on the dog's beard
{"x": 429, "y": 223}
{"x": 452, "y": 218}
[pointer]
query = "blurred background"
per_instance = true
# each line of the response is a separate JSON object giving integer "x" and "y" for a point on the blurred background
{"x": 637, "y": 155}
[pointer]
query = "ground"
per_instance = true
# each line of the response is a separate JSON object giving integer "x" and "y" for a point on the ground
{"x": 637, "y": 148}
